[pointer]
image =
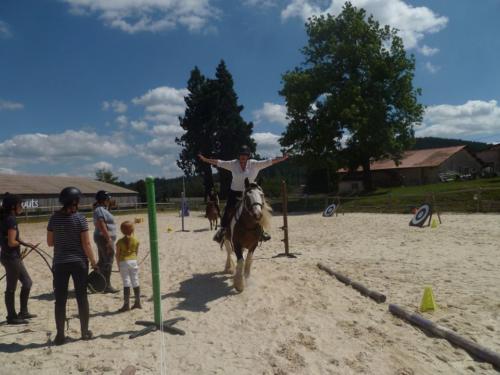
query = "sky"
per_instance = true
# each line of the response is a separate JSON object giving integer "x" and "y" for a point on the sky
{"x": 88, "y": 84}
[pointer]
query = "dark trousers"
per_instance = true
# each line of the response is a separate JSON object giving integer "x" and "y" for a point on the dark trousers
{"x": 15, "y": 270}
{"x": 232, "y": 199}
{"x": 78, "y": 271}
{"x": 105, "y": 262}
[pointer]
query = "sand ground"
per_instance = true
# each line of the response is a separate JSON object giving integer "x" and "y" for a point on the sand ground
{"x": 292, "y": 318}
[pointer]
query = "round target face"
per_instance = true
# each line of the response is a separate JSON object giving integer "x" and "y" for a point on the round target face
{"x": 330, "y": 210}
{"x": 422, "y": 214}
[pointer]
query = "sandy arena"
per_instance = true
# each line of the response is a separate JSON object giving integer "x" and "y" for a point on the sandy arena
{"x": 292, "y": 318}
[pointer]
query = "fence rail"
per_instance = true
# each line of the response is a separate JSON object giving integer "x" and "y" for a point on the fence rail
{"x": 466, "y": 200}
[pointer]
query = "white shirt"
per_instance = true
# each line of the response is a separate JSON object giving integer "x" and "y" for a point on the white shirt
{"x": 251, "y": 171}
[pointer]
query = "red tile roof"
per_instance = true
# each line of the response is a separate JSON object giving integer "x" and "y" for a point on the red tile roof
{"x": 416, "y": 159}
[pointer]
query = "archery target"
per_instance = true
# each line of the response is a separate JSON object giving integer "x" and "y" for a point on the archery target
{"x": 330, "y": 210}
{"x": 421, "y": 216}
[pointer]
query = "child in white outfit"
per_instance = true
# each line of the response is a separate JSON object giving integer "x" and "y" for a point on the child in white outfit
{"x": 127, "y": 248}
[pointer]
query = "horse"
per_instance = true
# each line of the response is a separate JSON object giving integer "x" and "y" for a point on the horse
{"x": 212, "y": 214}
{"x": 251, "y": 217}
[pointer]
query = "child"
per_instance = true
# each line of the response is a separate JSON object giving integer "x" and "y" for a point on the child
{"x": 127, "y": 248}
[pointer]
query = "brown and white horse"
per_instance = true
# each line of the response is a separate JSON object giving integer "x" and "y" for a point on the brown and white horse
{"x": 252, "y": 215}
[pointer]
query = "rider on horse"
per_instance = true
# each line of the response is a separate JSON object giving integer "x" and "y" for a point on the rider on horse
{"x": 213, "y": 197}
{"x": 241, "y": 169}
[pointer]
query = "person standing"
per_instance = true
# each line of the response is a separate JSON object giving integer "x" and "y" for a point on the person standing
{"x": 105, "y": 236}
{"x": 213, "y": 197}
{"x": 10, "y": 257}
{"x": 68, "y": 233}
{"x": 241, "y": 169}
{"x": 127, "y": 249}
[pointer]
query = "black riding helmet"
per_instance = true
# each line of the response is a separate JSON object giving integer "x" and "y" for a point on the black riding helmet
{"x": 10, "y": 201}
{"x": 102, "y": 195}
{"x": 70, "y": 196}
{"x": 245, "y": 150}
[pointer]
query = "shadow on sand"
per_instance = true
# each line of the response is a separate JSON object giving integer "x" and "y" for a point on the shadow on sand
{"x": 201, "y": 289}
{"x": 201, "y": 230}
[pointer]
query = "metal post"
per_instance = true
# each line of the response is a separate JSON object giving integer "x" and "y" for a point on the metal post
{"x": 285, "y": 216}
{"x": 284, "y": 196}
{"x": 153, "y": 246}
{"x": 155, "y": 271}
{"x": 183, "y": 202}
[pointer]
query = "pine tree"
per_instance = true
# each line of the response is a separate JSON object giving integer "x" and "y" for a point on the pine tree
{"x": 213, "y": 126}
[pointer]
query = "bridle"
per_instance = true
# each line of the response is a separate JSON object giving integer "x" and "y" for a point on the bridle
{"x": 247, "y": 204}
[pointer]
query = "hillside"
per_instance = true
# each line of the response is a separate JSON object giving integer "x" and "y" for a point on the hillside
{"x": 434, "y": 142}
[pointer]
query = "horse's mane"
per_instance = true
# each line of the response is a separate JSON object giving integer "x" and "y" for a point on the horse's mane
{"x": 265, "y": 220}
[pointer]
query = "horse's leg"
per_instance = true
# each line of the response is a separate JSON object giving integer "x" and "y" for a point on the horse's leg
{"x": 229, "y": 268}
{"x": 248, "y": 262}
{"x": 239, "y": 280}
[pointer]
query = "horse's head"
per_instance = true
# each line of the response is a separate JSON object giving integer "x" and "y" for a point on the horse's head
{"x": 253, "y": 200}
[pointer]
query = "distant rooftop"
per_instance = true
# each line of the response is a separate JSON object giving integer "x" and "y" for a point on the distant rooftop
{"x": 24, "y": 184}
{"x": 416, "y": 159}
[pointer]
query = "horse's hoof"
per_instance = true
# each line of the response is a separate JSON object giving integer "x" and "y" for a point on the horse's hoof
{"x": 229, "y": 271}
{"x": 239, "y": 286}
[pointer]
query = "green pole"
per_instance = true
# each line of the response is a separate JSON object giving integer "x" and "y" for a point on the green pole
{"x": 153, "y": 245}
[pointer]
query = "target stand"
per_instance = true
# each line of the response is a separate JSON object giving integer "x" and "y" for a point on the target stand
{"x": 423, "y": 214}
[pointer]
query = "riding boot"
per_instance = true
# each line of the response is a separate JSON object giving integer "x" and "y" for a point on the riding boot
{"x": 84, "y": 314}
{"x": 24, "y": 314}
{"x": 107, "y": 276}
{"x": 126, "y": 298}
{"x": 60, "y": 314}
{"x": 264, "y": 236}
{"x": 137, "y": 295}
{"x": 219, "y": 236}
{"x": 12, "y": 317}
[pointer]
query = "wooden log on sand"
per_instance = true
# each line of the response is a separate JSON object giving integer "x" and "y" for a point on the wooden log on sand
{"x": 470, "y": 346}
{"x": 376, "y": 296}
{"x": 338, "y": 276}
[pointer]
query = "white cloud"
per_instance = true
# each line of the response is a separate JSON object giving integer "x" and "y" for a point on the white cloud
{"x": 133, "y": 16}
{"x": 473, "y": 118}
{"x": 271, "y": 112}
{"x": 431, "y": 67}
{"x": 412, "y": 22}
{"x": 102, "y": 165}
{"x": 122, "y": 121}
{"x": 8, "y": 171}
{"x": 260, "y": 3}
{"x": 267, "y": 144}
{"x": 115, "y": 105}
{"x": 140, "y": 126}
{"x": 61, "y": 147}
{"x": 4, "y": 30}
{"x": 6, "y": 105}
{"x": 122, "y": 170}
{"x": 163, "y": 104}
{"x": 428, "y": 51}
{"x": 167, "y": 130}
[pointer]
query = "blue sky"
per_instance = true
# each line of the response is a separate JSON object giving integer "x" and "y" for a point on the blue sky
{"x": 99, "y": 83}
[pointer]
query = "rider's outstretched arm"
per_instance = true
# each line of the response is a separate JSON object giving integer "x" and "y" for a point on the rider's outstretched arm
{"x": 207, "y": 160}
{"x": 279, "y": 159}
